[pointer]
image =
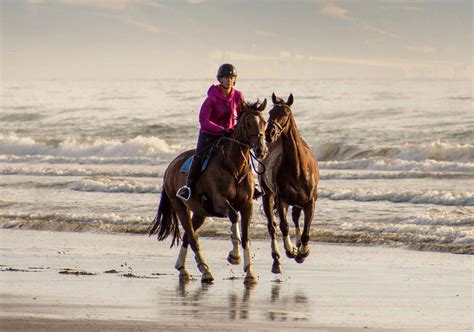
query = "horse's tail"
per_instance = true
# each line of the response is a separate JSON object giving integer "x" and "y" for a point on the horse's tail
{"x": 165, "y": 221}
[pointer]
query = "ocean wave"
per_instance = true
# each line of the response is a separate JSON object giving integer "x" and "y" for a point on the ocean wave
{"x": 393, "y": 239}
{"x": 464, "y": 98}
{"x": 435, "y": 238}
{"x": 105, "y": 184}
{"x": 75, "y": 222}
{"x": 14, "y": 148}
{"x": 52, "y": 171}
{"x": 409, "y": 196}
{"x": 441, "y": 233}
{"x": 84, "y": 160}
{"x": 436, "y": 151}
{"x": 391, "y": 175}
{"x": 4, "y": 204}
{"x": 157, "y": 172}
{"x": 21, "y": 117}
{"x": 385, "y": 164}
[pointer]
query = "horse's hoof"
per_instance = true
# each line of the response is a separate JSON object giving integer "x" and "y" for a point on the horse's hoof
{"x": 184, "y": 277}
{"x": 301, "y": 257}
{"x": 276, "y": 268}
{"x": 250, "y": 279}
{"x": 234, "y": 260}
{"x": 207, "y": 278}
{"x": 292, "y": 253}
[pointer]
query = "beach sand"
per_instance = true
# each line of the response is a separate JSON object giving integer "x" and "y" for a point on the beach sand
{"x": 132, "y": 286}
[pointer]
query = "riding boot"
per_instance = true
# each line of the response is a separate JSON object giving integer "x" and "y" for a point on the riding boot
{"x": 185, "y": 191}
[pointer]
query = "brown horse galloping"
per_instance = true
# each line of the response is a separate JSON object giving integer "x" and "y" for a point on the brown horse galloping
{"x": 291, "y": 179}
{"x": 224, "y": 189}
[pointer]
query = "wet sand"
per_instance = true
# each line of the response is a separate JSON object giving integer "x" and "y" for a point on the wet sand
{"x": 61, "y": 281}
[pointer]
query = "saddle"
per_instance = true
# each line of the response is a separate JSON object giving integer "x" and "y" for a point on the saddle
{"x": 187, "y": 164}
{"x": 205, "y": 201}
{"x": 211, "y": 148}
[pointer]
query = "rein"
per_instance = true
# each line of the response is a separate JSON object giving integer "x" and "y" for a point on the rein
{"x": 252, "y": 155}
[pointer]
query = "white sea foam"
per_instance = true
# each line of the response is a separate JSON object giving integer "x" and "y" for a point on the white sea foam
{"x": 80, "y": 171}
{"x": 440, "y": 238}
{"x": 436, "y": 151}
{"x": 110, "y": 218}
{"x": 383, "y": 164}
{"x": 443, "y": 234}
{"x": 15, "y": 148}
{"x": 105, "y": 184}
{"x": 390, "y": 175}
{"x": 407, "y": 196}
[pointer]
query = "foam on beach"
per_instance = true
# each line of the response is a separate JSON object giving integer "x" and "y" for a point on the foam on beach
{"x": 447, "y": 233}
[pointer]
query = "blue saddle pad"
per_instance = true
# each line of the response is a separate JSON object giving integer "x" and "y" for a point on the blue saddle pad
{"x": 187, "y": 164}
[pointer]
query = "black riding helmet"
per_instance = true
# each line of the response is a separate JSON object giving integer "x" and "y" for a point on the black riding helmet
{"x": 227, "y": 70}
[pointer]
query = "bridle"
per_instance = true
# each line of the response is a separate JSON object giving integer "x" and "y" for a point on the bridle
{"x": 274, "y": 125}
{"x": 252, "y": 157}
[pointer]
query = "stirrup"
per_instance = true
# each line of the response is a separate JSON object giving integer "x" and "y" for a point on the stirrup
{"x": 184, "y": 193}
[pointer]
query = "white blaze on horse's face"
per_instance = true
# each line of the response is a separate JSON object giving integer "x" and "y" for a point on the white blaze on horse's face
{"x": 257, "y": 137}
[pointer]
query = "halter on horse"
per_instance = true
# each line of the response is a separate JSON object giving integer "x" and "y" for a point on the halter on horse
{"x": 228, "y": 185}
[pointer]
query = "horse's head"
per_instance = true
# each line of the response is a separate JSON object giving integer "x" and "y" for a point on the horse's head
{"x": 251, "y": 127}
{"x": 279, "y": 120}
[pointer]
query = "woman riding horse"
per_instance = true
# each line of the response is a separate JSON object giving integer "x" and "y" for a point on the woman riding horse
{"x": 225, "y": 188}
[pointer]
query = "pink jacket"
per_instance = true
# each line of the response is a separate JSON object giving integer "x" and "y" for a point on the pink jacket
{"x": 219, "y": 113}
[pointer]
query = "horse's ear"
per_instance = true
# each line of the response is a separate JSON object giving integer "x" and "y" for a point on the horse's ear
{"x": 289, "y": 102}
{"x": 262, "y": 105}
{"x": 274, "y": 98}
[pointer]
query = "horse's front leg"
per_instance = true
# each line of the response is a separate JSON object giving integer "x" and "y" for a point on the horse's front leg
{"x": 234, "y": 254}
{"x": 303, "y": 249}
{"x": 285, "y": 229}
{"x": 267, "y": 201}
{"x": 246, "y": 215}
{"x": 295, "y": 215}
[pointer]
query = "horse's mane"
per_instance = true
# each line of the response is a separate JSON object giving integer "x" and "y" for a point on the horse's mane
{"x": 252, "y": 107}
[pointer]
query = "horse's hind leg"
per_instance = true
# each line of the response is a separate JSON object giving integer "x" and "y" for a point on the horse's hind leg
{"x": 181, "y": 261}
{"x": 285, "y": 230}
{"x": 234, "y": 254}
{"x": 303, "y": 249}
{"x": 267, "y": 201}
{"x": 295, "y": 215}
{"x": 184, "y": 217}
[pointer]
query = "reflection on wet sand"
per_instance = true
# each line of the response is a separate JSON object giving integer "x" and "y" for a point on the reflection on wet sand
{"x": 192, "y": 298}
{"x": 286, "y": 308}
{"x": 279, "y": 308}
{"x": 239, "y": 308}
{"x": 239, "y": 302}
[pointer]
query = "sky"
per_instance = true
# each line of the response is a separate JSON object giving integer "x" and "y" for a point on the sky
{"x": 279, "y": 39}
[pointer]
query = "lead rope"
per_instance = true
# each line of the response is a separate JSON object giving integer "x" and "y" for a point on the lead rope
{"x": 252, "y": 155}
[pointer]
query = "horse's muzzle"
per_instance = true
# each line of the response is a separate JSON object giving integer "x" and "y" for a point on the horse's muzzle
{"x": 261, "y": 152}
{"x": 270, "y": 135}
